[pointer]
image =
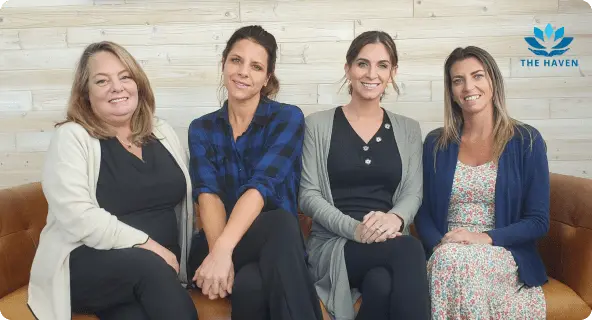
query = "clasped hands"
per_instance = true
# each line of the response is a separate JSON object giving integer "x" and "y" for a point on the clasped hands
{"x": 215, "y": 275}
{"x": 462, "y": 235}
{"x": 378, "y": 226}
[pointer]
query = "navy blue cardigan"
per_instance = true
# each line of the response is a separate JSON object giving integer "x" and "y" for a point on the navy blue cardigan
{"x": 522, "y": 195}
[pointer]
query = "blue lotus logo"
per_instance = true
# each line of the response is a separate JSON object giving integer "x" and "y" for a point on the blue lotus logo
{"x": 552, "y": 42}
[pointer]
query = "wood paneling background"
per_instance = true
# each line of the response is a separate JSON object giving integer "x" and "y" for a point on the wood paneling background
{"x": 179, "y": 45}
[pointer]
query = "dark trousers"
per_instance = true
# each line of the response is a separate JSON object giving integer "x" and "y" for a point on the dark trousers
{"x": 127, "y": 284}
{"x": 392, "y": 278}
{"x": 272, "y": 280}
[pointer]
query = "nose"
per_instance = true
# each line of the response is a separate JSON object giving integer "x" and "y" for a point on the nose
{"x": 243, "y": 70}
{"x": 372, "y": 74}
{"x": 469, "y": 85}
{"x": 116, "y": 85}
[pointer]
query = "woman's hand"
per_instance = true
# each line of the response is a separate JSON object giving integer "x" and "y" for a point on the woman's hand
{"x": 462, "y": 235}
{"x": 163, "y": 252}
{"x": 215, "y": 275}
{"x": 380, "y": 226}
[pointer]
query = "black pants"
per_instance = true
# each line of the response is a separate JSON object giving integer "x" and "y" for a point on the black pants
{"x": 392, "y": 278}
{"x": 127, "y": 284}
{"x": 272, "y": 280}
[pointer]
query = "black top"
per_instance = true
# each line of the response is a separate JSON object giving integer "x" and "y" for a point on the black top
{"x": 142, "y": 193}
{"x": 363, "y": 177}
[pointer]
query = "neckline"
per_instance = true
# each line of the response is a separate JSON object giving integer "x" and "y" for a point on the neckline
{"x": 384, "y": 121}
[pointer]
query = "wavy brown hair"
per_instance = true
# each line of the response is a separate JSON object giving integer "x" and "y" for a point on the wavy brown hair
{"x": 504, "y": 126}
{"x": 80, "y": 110}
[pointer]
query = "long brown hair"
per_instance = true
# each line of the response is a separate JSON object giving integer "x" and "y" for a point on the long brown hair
{"x": 80, "y": 110}
{"x": 504, "y": 126}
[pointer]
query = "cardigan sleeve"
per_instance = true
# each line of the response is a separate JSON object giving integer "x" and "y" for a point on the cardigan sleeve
{"x": 65, "y": 185}
{"x": 424, "y": 221}
{"x": 408, "y": 201}
{"x": 311, "y": 201}
{"x": 534, "y": 220}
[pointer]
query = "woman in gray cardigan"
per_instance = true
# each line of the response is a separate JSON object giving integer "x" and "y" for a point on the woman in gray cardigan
{"x": 362, "y": 185}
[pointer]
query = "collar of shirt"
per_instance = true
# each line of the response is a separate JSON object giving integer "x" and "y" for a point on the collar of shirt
{"x": 262, "y": 114}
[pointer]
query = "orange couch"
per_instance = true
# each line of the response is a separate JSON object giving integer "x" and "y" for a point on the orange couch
{"x": 566, "y": 250}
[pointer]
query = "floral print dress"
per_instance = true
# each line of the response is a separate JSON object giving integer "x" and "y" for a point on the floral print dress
{"x": 478, "y": 281}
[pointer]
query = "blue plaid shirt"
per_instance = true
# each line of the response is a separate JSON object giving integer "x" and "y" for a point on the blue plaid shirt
{"x": 266, "y": 157}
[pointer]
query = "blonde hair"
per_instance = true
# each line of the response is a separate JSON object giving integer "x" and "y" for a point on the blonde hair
{"x": 80, "y": 110}
{"x": 504, "y": 126}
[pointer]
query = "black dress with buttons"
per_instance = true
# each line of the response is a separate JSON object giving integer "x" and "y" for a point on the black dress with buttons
{"x": 134, "y": 283}
{"x": 364, "y": 177}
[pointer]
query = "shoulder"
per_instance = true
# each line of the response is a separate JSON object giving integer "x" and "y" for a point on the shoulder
{"x": 528, "y": 138}
{"x": 285, "y": 111}
{"x": 71, "y": 131}
{"x": 204, "y": 123}
{"x": 402, "y": 120}
{"x": 320, "y": 118}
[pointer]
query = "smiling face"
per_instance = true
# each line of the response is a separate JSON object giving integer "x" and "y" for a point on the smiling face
{"x": 471, "y": 86}
{"x": 370, "y": 72}
{"x": 245, "y": 70}
{"x": 112, "y": 92}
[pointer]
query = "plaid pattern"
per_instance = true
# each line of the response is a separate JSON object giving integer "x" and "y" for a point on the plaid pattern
{"x": 266, "y": 157}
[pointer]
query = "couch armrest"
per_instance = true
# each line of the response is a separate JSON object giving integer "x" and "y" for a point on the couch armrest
{"x": 567, "y": 248}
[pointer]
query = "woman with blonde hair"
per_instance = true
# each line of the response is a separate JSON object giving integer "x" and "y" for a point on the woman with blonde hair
{"x": 119, "y": 202}
{"x": 486, "y": 200}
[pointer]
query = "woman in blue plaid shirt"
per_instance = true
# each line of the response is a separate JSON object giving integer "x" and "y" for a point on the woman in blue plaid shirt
{"x": 245, "y": 165}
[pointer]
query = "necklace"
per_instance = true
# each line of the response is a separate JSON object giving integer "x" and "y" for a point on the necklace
{"x": 126, "y": 144}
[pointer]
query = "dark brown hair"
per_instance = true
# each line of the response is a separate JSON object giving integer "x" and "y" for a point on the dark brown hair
{"x": 258, "y": 35}
{"x": 370, "y": 37}
{"x": 79, "y": 108}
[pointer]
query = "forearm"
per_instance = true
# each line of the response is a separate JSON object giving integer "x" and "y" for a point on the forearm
{"x": 213, "y": 216}
{"x": 247, "y": 209}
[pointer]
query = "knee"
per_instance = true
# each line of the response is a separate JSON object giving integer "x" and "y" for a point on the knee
{"x": 377, "y": 282}
{"x": 407, "y": 246}
{"x": 248, "y": 286}
{"x": 151, "y": 266}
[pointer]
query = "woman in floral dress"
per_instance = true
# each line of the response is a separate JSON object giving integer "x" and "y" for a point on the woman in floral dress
{"x": 486, "y": 200}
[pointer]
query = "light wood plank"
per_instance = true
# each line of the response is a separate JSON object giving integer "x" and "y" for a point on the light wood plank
{"x": 186, "y": 55}
{"x": 333, "y": 94}
{"x": 324, "y": 10}
{"x": 581, "y": 169}
{"x": 40, "y": 59}
{"x": 573, "y": 6}
{"x": 313, "y": 52}
{"x": 45, "y": 3}
{"x": 569, "y": 149}
{"x": 34, "y": 121}
{"x": 14, "y": 178}
{"x": 183, "y": 76}
{"x": 42, "y": 38}
{"x": 7, "y": 142}
{"x": 533, "y": 88}
{"x": 9, "y": 39}
{"x": 201, "y": 96}
{"x": 182, "y": 117}
{"x": 309, "y": 73}
{"x": 452, "y": 8}
{"x": 21, "y": 161}
{"x": 33, "y": 141}
{"x": 298, "y": 94}
{"x": 36, "y": 79}
{"x": 480, "y": 26}
{"x": 552, "y": 67}
{"x": 563, "y": 128}
{"x": 51, "y": 99}
{"x": 207, "y": 34}
{"x": 509, "y": 46}
{"x": 15, "y": 101}
{"x": 149, "y": 13}
{"x": 571, "y": 108}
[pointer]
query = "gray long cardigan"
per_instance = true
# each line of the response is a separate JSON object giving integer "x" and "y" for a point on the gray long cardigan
{"x": 331, "y": 228}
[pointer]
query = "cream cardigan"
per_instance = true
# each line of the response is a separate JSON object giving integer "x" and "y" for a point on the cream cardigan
{"x": 69, "y": 180}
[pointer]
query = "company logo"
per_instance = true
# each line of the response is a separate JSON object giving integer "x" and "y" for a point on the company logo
{"x": 2, "y": 2}
{"x": 554, "y": 42}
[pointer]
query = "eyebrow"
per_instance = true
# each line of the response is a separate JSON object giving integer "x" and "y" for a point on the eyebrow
{"x": 368, "y": 61}
{"x": 472, "y": 73}
{"x": 106, "y": 75}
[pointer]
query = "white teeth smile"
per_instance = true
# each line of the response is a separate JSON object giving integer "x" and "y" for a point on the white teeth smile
{"x": 370, "y": 85}
{"x": 472, "y": 98}
{"x": 118, "y": 100}
{"x": 241, "y": 85}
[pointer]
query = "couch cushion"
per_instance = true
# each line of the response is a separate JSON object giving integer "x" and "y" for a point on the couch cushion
{"x": 563, "y": 302}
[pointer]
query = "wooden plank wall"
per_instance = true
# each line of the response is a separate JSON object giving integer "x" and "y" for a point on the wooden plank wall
{"x": 179, "y": 44}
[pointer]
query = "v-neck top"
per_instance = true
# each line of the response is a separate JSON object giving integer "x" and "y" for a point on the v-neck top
{"x": 143, "y": 192}
{"x": 363, "y": 176}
